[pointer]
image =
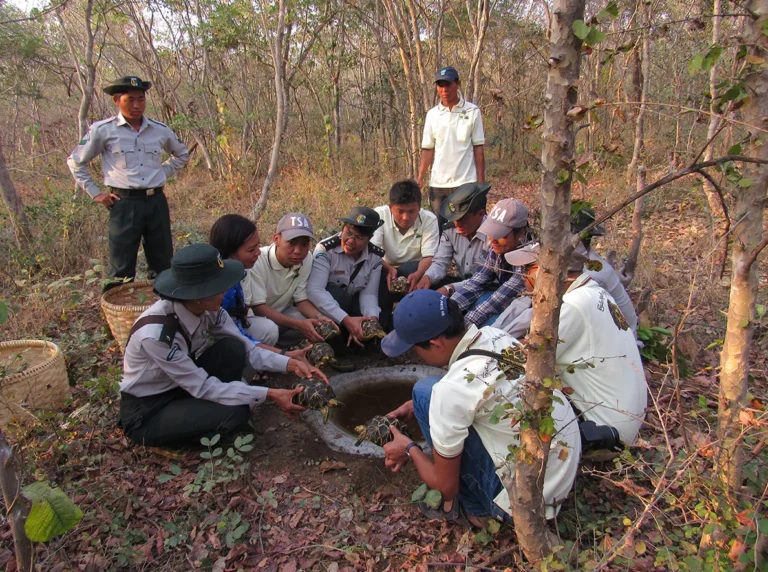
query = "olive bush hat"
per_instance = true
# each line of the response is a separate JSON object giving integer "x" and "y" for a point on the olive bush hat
{"x": 127, "y": 83}
{"x": 459, "y": 202}
{"x": 197, "y": 271}
{"x": 363, "y": 216}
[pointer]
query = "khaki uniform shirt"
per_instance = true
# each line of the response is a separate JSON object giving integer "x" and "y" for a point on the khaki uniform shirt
{"x": 271, "y": 283}
{"x": 468, "y": 255}
{"x": 152, "y": 366}
{"x": 333, "y": 266}
{"x": 418, "y": 242}
{"x": 130, "y": 159}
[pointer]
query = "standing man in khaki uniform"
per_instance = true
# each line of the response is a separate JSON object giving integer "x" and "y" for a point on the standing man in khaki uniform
{"x": 131, "y": 147}
{"x": 452, "y": 143}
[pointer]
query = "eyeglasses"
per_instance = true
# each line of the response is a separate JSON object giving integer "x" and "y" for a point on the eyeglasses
{"x": 346, "y": 235}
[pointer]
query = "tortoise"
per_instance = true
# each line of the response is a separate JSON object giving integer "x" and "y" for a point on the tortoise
{"x": 399, "y": 285}
{"x": 513, "y": 361}
{"x": 327, "y": 330}
{"x": 593, "y": 265}
{"x": 372, "y": 329}
{"x": 377, "y": 430}
{"x": 317, "y": 395}
{"x": 321, "y": 353}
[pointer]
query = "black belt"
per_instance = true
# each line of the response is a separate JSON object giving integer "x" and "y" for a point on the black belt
{"x": 136, "y": 192}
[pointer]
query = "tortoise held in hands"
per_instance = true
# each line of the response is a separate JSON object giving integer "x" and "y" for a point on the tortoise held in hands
{"x": 399, "y": 285}
{"x": 377, "y": 430}
{"x": 372, "y": 329}
{"x": 317, "y": 395}
{"x": 320, "y": 354}
{"x": 327, "y": 330}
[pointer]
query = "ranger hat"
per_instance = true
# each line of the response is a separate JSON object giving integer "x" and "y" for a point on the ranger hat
{"x": 363, "y": 216}
{"x": 463, "y": 200}
{"x": 421, "y": 316}
{"x": 529, "y": 254}
{"x": 294, "y": 225}
{"x": 506, "y": 216}
{"x": 127, "y": 83}
{"x": 447, "y": 73}
{"x": 581, "y": 217}
{"x": 197, "y": 272}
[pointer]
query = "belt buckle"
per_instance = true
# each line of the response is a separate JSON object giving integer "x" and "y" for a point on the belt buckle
{"x": 150, "y": 192}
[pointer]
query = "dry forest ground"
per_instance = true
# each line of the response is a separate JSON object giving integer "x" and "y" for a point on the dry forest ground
{"x": 292, "y": 503}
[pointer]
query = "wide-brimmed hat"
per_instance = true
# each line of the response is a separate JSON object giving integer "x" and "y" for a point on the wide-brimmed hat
{"x": 582, "y": 217}
{"x": 529, "y": 254}
{"x": 364, "y": 217}
{"x": 463, "y": 200}
{"x": 127, "y": 83}
{"x": 420, "y": 316}
{"x": 197, "y": 271}
{"x": 507, "y": 215}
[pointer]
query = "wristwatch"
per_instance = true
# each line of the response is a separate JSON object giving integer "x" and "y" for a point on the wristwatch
{"x": 450, "y": 289}
{"x": 411, "y": 445}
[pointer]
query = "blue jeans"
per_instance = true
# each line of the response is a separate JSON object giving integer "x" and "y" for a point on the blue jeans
{"x": 483, "y": 297}
{"x": 478, "y": 482}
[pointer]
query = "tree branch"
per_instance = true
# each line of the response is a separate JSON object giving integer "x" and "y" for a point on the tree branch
{"x": 753, "y": 255}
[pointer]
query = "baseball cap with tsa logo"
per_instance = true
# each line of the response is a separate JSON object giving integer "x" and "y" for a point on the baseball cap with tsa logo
{"x": 507, "y": 215}
{"x": 294, "y": 225}
{"x": 420, "y": 316}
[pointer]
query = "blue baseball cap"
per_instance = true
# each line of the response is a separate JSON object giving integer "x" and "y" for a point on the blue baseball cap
{"x": 448, "y": 73}
{"x": 421, "y": 316}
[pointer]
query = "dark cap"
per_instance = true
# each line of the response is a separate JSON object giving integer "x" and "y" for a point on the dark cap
{"x": 127, "y": 83}
{"x": 420, "y": 316}
{"x": 463, "y": 200}
{"x": 364, "y": 217}
{"x": 447, "y": 73}
{"x": 581, "y": 217}
{"x": 197, "y": 272}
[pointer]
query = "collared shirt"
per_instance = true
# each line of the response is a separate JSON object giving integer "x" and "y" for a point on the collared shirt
{"x": 130, "y": 159}
{"x": 152, "y": 366}
{"x": 453, "y": 134}
{"x": 462, "y": 399}
{"x": 333, "y": 266}
{"x": 418, "y": 242}
{"x": 468, "y": 255}
{"x": 494, "y": 269}
{"x": 598, "y": 358}
{"x": 271, "y": 283}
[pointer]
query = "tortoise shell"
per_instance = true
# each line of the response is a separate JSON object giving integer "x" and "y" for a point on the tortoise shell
{"x": 320, "y": 354}
{"x": 327, "y": 330}
{"x": 377, "y": 430}
{"x": 317, "y": 395}
{"x": 513, "y": 364}
{"x": 372, "y": 329}
{"x": 399, "y": 285}
{"x": 618, "y": 316}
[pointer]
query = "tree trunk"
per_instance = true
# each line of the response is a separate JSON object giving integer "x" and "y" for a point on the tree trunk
{"x": 641, "y": 81}
{"x": 12, "y": 200}
{"x": 557, "y": 158}
{"x": 479, "y": 28}
{"x": 750, "y": 203}
{"x": 627, "y": 273}
{"x": 15, "y": 506}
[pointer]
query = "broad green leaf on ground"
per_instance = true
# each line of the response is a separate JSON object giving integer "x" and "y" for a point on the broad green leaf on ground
{"x": 420, "y": 493}
{"x": 52, "y": 513}
{"x": 433, "y": 498}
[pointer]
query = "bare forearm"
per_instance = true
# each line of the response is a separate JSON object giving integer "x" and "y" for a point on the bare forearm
{"x": 308, "y": 309}
{"x": 434, "y": 479}
{"x": 277, "y": 317}
{"x": 479, "y": 151}
{"x": 424, "y": 263}
{"x": 427, "y": 155}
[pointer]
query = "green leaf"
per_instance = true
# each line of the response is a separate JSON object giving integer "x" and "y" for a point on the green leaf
{"x": 735, "y": 150}
{"x": 419, "y": 493}
{"x": 493, "y": 526}
{"x": 580, "y": 29}
{"x": 745, "y": 183}
{"x": 164, "y": 478}
{"x": 762, "y": 526}
{"x": 52, "y": 513}
{"x": 760, "y": 309}
{"x": 612, "y": 9}
{"x": 702, "y": 402}
{"x": 744, "y": 323}
{"x": 594, "y": 37}
{"x": 711, "y": 58}
{"x": 483, "y": 537}
{"x": 205, "y": 441}
{"x": 3, "y": 312}
{"x": 175, "y": 469}
{"x": 215, "y": 439}
{"x": 694, "y": 66}
{"x": 433, "y": 498}
{"x": 562, "y": 176}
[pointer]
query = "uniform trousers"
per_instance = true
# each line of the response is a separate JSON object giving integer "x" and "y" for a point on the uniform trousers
{"x": 137, "y": 217}
{"x": 436, "y": 196}
{"x": 176, "y": 418}
{"x": 387, "y": 299}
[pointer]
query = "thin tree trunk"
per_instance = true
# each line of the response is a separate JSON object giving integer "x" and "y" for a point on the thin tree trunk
{"x": 479, "y": 28}
{"x": 628, "y": 271}
{"x": 15, "y": 506}
{"x": 416, "y": 31}
{"x": 558, "y": 137}
{"x": 641, "y": 81}
{"x": 12, "y": 200}
{"x": 750, "y": 204}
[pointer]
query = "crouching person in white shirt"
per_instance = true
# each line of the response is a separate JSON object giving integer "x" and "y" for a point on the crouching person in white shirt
{"x": 471, "y": 450}
{"x": 185, "y": 358}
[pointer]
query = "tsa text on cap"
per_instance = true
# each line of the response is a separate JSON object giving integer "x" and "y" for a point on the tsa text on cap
{"x": 499, "y": 215}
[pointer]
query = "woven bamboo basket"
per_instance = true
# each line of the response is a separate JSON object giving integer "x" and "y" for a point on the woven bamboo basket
{"x": 32, "y": 376}
{"x": 124, "y": 304}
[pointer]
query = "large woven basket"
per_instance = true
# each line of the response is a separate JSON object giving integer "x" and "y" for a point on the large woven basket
{"x": 32, "y": 376}
{"x": 124, "y": 304}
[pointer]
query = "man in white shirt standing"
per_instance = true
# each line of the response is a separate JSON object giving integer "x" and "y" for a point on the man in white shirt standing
{"x": 452, "y": 143}
{"x": 131, "y": 148}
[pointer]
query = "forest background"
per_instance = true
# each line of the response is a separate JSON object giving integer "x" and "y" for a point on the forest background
{"x": 318, "y": 106}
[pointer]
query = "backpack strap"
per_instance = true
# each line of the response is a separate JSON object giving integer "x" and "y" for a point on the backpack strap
{"x": 508, "y": 365}
{"x": 171, "y": 326}
{"x": 486, "y": 353}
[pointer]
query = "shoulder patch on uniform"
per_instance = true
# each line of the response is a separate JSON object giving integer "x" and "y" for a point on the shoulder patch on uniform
{"x": 156, "y": 122}
{"x": 377, "y": 250}
{"x": 167, "y": 334}
{"x": 322, "y": 254}
{"x": 174, "y": 350}
{"x": 221, "y": 317}
{"x": 331, "y": 242}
